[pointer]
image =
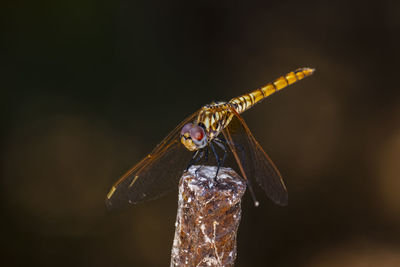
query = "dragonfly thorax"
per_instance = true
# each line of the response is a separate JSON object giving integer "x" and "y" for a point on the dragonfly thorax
{"x": 211, "y": 120}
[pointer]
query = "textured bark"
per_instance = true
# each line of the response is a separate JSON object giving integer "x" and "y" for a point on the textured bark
{"x": 208, "y": 217}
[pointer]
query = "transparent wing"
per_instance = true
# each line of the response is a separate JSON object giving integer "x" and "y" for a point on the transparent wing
{"x": 252, "y": 161}
{"x": 155, "y": 175}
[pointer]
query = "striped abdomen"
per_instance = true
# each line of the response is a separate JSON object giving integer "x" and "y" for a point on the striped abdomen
{"x": 244, "y": 102}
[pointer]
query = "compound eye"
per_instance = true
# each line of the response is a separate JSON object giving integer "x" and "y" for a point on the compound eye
{"x": 186, "y": 128}
{"x": 197, "y": 133}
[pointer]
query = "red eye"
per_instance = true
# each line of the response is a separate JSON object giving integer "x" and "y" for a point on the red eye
{"x": 197, "y": 133}
{"x": 186, "y": 128}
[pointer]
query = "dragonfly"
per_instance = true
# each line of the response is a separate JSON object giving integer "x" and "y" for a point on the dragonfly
{"x": 218, "y": 125}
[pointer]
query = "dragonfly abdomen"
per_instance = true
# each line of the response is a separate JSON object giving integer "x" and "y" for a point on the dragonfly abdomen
{"x": 247, "y": 101}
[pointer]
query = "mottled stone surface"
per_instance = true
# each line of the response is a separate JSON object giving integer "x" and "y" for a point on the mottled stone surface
{"x": 208, "y": 217}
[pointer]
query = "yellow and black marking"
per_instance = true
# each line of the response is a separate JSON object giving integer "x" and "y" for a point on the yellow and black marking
{"x": 247, "y": 101}
{"x": 216, "y": 116}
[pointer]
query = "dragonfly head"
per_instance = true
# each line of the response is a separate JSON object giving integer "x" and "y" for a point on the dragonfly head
{"x": 193, "y": 136}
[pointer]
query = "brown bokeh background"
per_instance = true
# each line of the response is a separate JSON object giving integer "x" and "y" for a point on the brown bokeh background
{"x": 88, "y": 88}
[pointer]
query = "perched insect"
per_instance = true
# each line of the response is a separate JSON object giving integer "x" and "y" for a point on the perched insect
{"x": 190, "y": 142}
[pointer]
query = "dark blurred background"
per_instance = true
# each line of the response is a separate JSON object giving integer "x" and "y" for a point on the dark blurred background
{"x": 89, "y": 87}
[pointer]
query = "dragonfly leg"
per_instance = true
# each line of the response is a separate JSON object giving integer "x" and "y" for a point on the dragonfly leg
{"x": 221, "y": 144}
{"x": 218, "y": 160}
{"x": 205, "y": 153}
{"x": 220, "y": 140}
{"x": 197, "y": 156}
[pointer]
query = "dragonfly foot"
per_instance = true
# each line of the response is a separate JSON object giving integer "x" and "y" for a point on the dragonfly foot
{"x": 215, "y": 179}
{"x": 198, "y": 169}
{"x": 216, "y": 175}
